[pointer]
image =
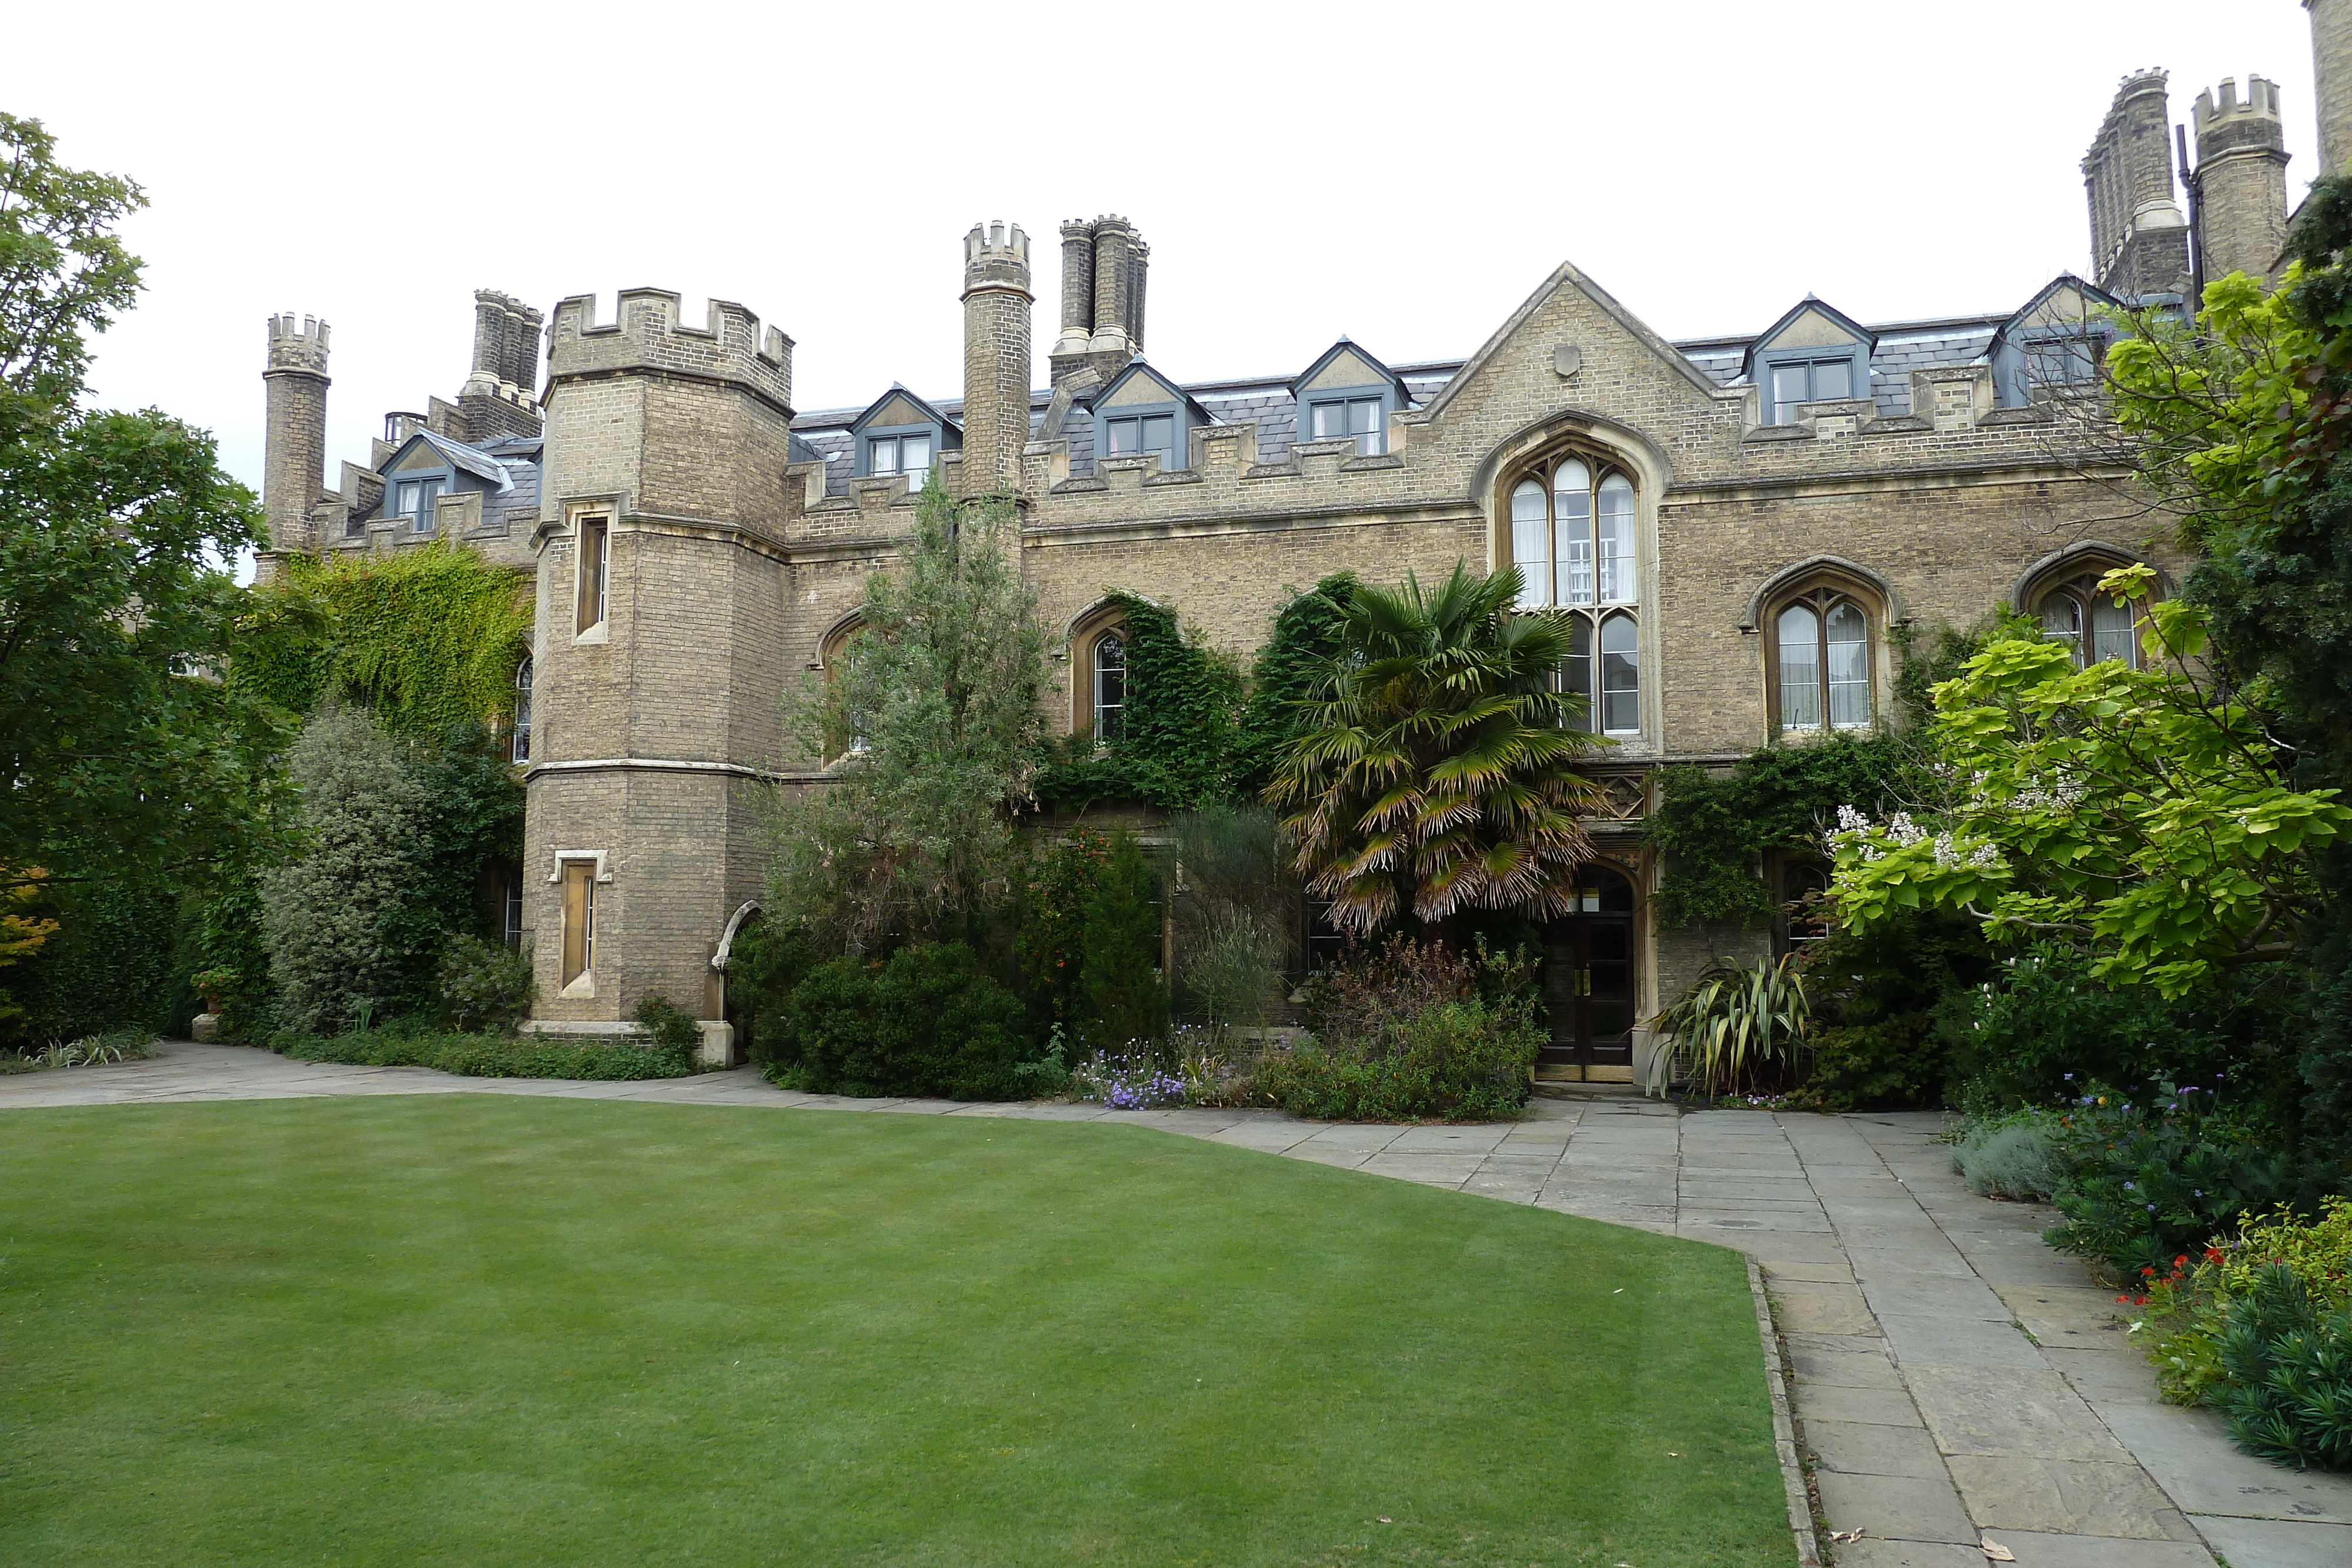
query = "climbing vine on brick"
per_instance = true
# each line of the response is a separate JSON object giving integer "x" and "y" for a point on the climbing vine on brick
{"x": 426, "y": 637}
{"x": 1182, "y": 701}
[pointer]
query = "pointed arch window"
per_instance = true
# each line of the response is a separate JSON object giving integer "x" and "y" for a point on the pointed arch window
{"x": 1575, "y": 540}
{"x": 2093, "y": 627}
{"x": 1108, "y": 659}
{"x": 1822, "y": 663}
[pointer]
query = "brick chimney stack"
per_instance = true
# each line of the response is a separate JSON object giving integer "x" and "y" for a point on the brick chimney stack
{"x": 294, "y": 443}
{"x": 996, "y": 305}
{"x": 2139, "y": 240}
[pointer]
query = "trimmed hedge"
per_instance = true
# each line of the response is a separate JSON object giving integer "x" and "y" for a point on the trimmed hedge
{"x": 488, "y": 1055}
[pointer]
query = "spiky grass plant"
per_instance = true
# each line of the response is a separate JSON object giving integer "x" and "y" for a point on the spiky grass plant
{"x": 1735, "y": 1024}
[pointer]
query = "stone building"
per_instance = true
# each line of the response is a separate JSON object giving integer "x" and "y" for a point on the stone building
{"x": 1741, "y": 527}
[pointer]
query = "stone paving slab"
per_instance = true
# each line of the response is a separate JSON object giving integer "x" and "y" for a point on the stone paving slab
{"x": 1954, "y": 1379}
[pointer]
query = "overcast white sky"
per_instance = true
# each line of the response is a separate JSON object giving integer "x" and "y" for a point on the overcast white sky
{"x": 1404, "y": 175}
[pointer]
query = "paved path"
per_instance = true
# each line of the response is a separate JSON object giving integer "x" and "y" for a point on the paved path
{"x": 1956, "y": 1381}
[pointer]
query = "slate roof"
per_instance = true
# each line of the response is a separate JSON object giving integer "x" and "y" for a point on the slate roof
{"x": 1902, "y": 347}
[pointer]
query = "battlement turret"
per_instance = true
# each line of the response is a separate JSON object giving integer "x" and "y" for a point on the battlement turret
{"x": 294, "y": 429}
{"x": 2239, "y": 181}
{"x": 301, "y": 348}
{"x": 996, "y": 302}
{"x": 650, "y": 335}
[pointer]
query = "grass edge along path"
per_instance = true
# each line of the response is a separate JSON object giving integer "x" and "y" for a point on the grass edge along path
{"x": 466, "y": 1328}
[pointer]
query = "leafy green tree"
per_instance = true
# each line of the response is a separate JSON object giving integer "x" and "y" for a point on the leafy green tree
{"x": 1125, "y": 996}
{"x": 1307, "y": 633}
{"x": 1439, "y": 772}
{"x": 122, "y": 757}
{"x": 2137, "y": 814}
{"x": 332, "y": 915}
{"x": 934, "y": 725}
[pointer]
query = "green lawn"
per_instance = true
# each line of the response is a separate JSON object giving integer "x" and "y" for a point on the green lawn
{"x": 462, "y": 1330}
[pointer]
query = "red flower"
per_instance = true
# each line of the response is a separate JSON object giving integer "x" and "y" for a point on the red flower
{"x": 2212, "y": 1254}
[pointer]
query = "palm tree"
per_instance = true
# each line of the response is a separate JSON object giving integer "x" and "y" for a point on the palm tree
{"x": 1440, "y": 772}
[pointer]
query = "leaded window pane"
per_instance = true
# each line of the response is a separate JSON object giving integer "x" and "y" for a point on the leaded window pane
{"x": 1617, "y": 576}
{"x": 1572, "y": 495}
{"x": 1621, "y": 676}
{"x": 1847, "y": 637}
{"x": 1576, "y": 671}
{"x": 1527, "y": 544}
{"x": 2111, "y": 630}
{"x": 1799, "y": 632}
{"x": 1110, "y": 685}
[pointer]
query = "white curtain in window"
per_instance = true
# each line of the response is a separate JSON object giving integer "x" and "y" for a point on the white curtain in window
{"x": 1848, "y": 643}
{"x": 1799, "y": 633}
{"x": 2111, "y": 630}
{"x": 1529, "y": 550}
{"x": 1572, "y": 499}
{"x": 2061, "y": 622}
{"x": 1621, "y": 676}
{"x": 915, "y": 460}
{"x": 1617, "y": 579}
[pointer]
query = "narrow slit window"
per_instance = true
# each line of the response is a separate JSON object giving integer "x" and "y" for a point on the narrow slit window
{"x": 520, "y": 750}
{"x": 579, "y": 919}
{"x": 2111, "y": 630}
{"x": 595, "y": 570}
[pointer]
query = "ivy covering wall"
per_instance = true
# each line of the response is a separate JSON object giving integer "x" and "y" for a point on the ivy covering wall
{"x": 426, "y": 637}
{"x": 1175, "y": 751}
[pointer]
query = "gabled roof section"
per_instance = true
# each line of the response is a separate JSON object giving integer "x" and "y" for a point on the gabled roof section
{"x": 927, "y": 412}
{"x": 1102, "y": 402}
{"x": 2064, "y": 301}
{"x": 1567, "y": 277}
{"x": 1373, "y": 372}
{"x": 457, "y": 456}
{"x": 1810, "y": 316}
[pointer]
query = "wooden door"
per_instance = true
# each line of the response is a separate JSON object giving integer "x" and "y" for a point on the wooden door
{"x": 1588, "y": 983}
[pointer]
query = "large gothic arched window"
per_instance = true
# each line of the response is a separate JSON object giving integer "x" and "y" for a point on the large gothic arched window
{"x": 1822, "y": 662}
{"x": 1574, "y": 540}
{"x": 2093, "y": 627}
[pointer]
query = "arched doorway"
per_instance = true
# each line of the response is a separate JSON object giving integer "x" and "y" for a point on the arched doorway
{"x": 1589, "y": 982}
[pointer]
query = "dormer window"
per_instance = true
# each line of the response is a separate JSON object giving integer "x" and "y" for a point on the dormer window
{"x": 1815, "y": 354}
{"x": 901, "y": 437}
{"x": 907, "y": 455}
{"x": 2054, "y": 345}
{"x": 1337, "y": 418}
{"x": 1348, "y": 395}
{"x": 1809, "y": 380}
{"x": 417, "y": 500}
{"x": 1141, "y": 436}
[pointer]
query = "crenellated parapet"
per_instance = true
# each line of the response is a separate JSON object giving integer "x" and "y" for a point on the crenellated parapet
{"x": 650, "y": 335}
{"x": 297, "y": 347}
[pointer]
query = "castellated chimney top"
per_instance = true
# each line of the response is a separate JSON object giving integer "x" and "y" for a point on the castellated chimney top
{"x": 2225, "y": 124}
{"x": 996, "y": 258}
{"x": 297, "y": 349}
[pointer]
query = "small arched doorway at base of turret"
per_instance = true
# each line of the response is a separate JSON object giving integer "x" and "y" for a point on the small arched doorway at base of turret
{"x": 1589, "y": 983}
